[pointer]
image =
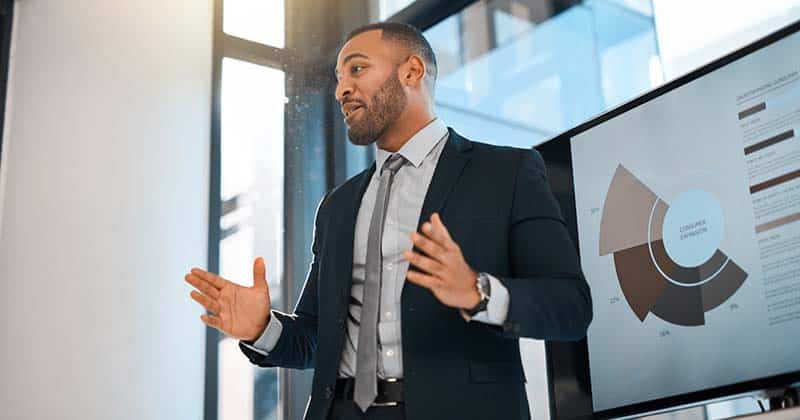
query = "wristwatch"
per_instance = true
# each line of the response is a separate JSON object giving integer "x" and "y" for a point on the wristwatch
{"x": 484, "y": 289}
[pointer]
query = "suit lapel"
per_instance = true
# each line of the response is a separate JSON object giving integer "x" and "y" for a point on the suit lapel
{"x": 454, "y": 157}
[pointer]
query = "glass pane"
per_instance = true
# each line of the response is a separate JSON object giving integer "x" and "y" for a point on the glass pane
{"x": 644, "y": 7}
{"x": 252, "y": 171}
{"x": 519, "y": 72}
{"x": 387, "y": 8}
{"x": 260, "y": 21}
{"x": 694, "y": 33}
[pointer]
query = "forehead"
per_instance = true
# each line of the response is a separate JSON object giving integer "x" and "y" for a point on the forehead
{"x": 369, "y": 43}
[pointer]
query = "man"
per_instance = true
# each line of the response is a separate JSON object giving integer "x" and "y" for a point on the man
{"x": 473, "y": 228}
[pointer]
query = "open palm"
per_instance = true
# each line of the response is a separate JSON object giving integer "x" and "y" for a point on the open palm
{"x": 240, "y": 312}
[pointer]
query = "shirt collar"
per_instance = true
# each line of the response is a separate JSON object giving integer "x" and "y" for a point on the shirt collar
{"x": 418, "y": 146}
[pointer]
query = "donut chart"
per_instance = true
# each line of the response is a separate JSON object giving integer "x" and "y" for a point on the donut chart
{"x": 666, "y": 257}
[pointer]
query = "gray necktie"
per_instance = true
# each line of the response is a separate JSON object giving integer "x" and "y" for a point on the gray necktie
{"x": 366, "y": 387}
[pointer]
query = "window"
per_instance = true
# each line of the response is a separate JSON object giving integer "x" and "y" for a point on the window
{"x": 252, "y": 220}
{"x": 247, "y": 196}
{"x": 692, "y": 33}
{"x": 520, "y": 72}
{"x": 259, "y": 21}
{"x": 387, "y": 8}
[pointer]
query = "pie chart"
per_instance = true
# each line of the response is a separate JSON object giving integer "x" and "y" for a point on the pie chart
{"x": 667, "y": 257}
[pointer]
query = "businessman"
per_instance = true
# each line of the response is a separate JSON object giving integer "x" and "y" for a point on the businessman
{"x": 427, "y": 267}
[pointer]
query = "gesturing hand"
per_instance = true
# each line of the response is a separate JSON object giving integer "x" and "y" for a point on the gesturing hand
{"x": 241, "y": 312}
{"x": 445, "y": 272}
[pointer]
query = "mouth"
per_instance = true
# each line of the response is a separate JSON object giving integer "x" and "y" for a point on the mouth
{"x": 351, "y": 112}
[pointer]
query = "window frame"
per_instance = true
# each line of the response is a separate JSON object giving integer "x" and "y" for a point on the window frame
{"x": 228, "y": 46}
{"x": 6, "y": 26}
{"x": 423, "y": 14}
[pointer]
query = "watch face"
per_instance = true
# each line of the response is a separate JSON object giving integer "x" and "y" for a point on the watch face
{"x": 483, "y": 289}
{"x": 483, "y": 284}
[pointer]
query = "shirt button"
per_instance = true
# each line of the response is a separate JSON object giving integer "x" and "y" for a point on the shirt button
{"x": 390, "y": 353}
{"x": 389, "y": 266}
{"x": 388, "y": 314}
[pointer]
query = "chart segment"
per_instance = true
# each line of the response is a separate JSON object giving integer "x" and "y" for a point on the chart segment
{"x": 677, "y": 275}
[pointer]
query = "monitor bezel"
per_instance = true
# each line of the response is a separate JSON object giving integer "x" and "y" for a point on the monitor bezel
{"x": 568, "y": 361}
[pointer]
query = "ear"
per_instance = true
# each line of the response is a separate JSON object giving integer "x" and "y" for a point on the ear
{"x": 412, "y": 72}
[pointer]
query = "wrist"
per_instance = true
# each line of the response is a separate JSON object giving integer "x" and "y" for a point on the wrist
{"x": 483, "y": 291}
{"x": 262, "y": 329}
{"x": 473, "y": 300}
{"x": 473, "y": 297}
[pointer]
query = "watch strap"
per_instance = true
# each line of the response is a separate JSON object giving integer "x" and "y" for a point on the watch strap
{"x": 483, "y": 285}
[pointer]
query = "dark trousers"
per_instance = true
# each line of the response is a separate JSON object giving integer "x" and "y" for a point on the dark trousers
{"x": 348, "y": 410}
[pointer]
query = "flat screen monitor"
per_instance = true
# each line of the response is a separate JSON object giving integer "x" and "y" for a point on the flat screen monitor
{"x": 685, "y": 207}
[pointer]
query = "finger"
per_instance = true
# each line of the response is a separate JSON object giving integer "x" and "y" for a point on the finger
{"x": 429, "y": 232}
{"x": 441, "y": 228}
{"x": 259, "y": 274}
{"x": 212, "y": 321}
{"x": 211, "y": 278}
{"x": 425, "y": 280}
{"x": 431, "y": 248}
{"x": 208, "y": 303}
{"x": 427, "y": 264}
{"x": 202, "y": 285}
{"x": 435, "y": 233}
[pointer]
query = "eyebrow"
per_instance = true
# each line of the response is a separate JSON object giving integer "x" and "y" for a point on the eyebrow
{"x": 350, "y": 57}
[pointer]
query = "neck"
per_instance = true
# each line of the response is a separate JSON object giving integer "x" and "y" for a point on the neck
{"x": 401, "y": 131}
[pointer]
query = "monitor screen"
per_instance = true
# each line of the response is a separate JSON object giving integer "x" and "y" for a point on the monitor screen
{"x": 687, "y": 215}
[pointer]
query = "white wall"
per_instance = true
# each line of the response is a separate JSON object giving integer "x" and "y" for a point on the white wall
{"x": 103, "y": 208}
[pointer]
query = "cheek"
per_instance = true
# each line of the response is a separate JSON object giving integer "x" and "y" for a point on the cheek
{"x": 370, "y": 84}
{"x": 368, "y": 94}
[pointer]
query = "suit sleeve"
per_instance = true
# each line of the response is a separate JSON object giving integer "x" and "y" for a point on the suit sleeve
{"x": 549, "y": 296}
{"x": 297, "y": 345}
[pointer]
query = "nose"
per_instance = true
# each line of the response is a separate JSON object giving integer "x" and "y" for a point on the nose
{"x": 343, "y": 89}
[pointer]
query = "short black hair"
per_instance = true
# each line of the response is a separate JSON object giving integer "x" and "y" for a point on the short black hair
{"x": 408, "y": 36}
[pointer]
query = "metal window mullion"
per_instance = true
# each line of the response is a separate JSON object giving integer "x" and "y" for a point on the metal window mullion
{"x": 6, "y": 21}
{"x": 426, "y": 13}
{"x": 253, "y": 52}
{"x": 211, "y": 400}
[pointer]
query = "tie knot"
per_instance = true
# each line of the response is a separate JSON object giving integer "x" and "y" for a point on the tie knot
{"x": 393, "y": 163}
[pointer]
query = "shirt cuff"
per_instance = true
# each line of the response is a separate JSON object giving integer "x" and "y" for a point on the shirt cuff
{"x": 269, "y": 338}
{"x": 497, "y": 309}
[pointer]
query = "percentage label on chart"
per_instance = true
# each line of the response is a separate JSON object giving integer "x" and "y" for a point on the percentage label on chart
{"x": 613, "y": 300}
{"x": 734, "y": 306}
{"x": 594, "y": 211}
{"x": 663, "y": 333}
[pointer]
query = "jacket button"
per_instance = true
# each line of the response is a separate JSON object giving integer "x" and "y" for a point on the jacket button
{"x": 327, "y": 393}
{"x": 342, "y": 324}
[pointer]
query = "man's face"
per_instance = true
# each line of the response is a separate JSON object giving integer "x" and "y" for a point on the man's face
{"x": 368, "y": 88}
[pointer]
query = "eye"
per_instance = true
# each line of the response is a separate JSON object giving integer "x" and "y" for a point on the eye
{"x": 357, "y": 68}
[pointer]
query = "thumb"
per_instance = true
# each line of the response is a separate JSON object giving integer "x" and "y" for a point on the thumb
{"x": 259, "y": 274}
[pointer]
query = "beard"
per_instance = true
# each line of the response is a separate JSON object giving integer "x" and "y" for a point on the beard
{"x": 386, "y": 106}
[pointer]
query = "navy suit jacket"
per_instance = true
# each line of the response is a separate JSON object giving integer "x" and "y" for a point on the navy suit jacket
{"x": 498, "y": 207}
